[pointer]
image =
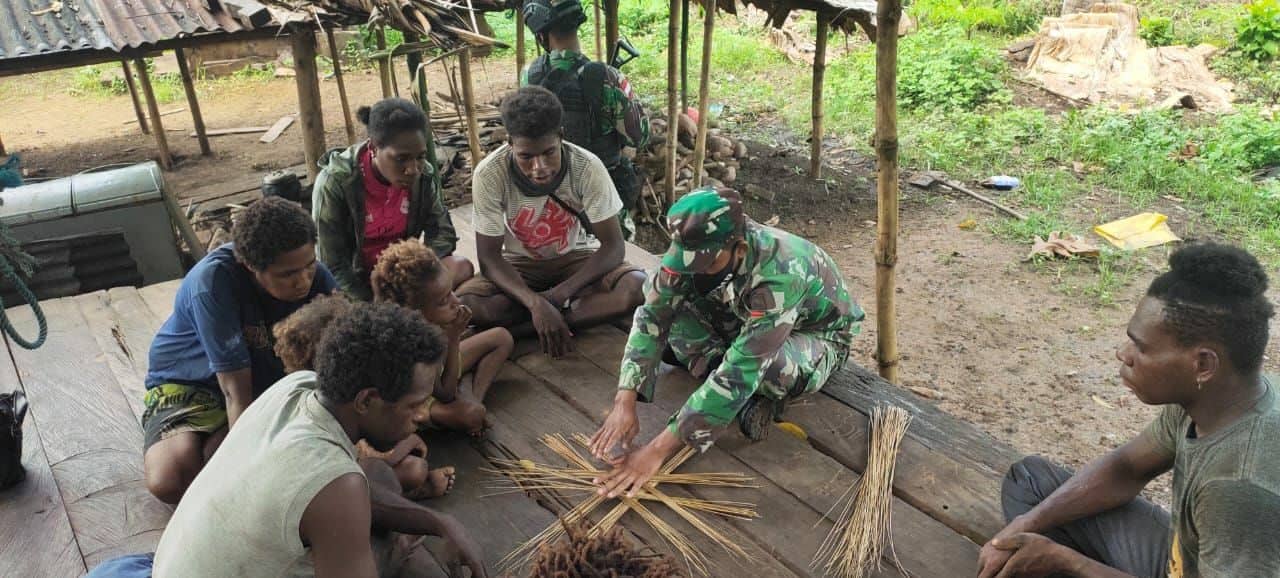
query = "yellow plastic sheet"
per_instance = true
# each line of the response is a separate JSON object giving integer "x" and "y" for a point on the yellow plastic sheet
{"x": 1137, "y": 232}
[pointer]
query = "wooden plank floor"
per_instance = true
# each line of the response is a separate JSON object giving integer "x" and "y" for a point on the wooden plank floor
{"x": 84, "y": 500}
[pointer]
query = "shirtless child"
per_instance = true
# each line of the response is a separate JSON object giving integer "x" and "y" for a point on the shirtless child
{"x": 411, "y": 275}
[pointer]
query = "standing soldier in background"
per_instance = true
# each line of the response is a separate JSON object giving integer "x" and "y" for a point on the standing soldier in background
{"x": 600, "y": 112}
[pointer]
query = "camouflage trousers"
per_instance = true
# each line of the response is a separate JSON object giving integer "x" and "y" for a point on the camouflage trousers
{"x": 801, "y": 366}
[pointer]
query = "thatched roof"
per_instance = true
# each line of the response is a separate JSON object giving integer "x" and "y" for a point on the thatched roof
{"x": 845, "y": 15}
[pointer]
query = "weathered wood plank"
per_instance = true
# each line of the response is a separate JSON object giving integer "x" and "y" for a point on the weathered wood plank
{"x": 159, "y": 298}
{"x": 522, "y": 414}
{"x": 498, "y": 523}
{"x": 91, "y": 437}
{"x": 277, "y": 129}
{"x": 35, "y": 532}
{"x": 951, "y": 487}
{"x": 105, "y": 328}
{"x": 912, "y": 525}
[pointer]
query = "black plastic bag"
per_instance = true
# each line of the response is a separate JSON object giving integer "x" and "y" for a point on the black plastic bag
{"x": 13, "y": 408}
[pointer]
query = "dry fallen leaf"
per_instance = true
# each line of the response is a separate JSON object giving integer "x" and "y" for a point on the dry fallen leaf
{"x": 925, "y": 392}
{"x": 968, "y": 224}
{"x": 1101, "y": 402}
{"x": 1060, "y": 244}
{"x": 773, "y": 221}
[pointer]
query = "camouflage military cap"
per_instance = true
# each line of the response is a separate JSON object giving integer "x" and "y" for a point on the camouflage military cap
{"x": 702, "y": 223}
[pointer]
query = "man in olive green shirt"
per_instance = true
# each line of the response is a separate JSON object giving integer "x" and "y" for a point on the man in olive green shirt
{"x": 1196, "y": 346}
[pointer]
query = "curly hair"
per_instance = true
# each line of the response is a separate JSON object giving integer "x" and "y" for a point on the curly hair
{"x": 403, "y": 270}
{"x": 389, "y": 117}
{"x": 1217, "y": 293}
{"x": 298, "y": 334}
{"x": 270, "y": 228}
{"x": 531, "y": 112}
{"x": 375, "y": 345}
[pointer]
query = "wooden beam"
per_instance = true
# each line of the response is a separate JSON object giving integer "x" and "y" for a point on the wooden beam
{"x": 384, "y": 64}
{"x": 469, "y": 105}
{"x": 153, "y": 109}
{"x": 189, "y": 86}
{"x": 133, "y": 96}
{"x": 600, "y": 55}
{"x": 611, "y": 26}
{"x": 704, "y": 94}
{"x": 232, "y": 130}
{"x": 308, "y": 82}
{"x": 69, "y": 59}
{"x": 673, "y": 114}
{"x": 519, "y": 41}
{"x": 684, "y": 55}
{"x": 888, "y": 13}
{"x": 819, "y": 72}
{"x": 342, "y": 86}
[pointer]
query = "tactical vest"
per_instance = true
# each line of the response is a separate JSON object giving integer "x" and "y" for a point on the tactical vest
{"x": 581, "y": 94}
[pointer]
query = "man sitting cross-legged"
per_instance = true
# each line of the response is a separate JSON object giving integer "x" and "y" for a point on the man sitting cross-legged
{"x": 1195, "y": 347}
{"x": 214, "y": 354}
{"x": 547, "y": 234}
{"x": 286, "y": 494}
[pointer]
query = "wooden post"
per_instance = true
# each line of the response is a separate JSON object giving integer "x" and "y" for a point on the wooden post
{"x": 469, "y": 103}
{"x": 684, "y": 55}
{"x": 673, "y": 113}
{"x": 133, "y": 95}
{"x": 384, "y": 64}
{"x": 2, "y": 151}
{"x": 519, "y": 41}
{"x": 599, "y": 41}
{"x": 189, "y": 86}
{"x": 342, "y": 86}
{"x": 887, "y": 14}
{"x": 819, "y": 71}
{"x": 153, "y": 108}
{"x": 610, "y": 26}
{"x": 308, "y": 81}
{"x": 704, "y": 93}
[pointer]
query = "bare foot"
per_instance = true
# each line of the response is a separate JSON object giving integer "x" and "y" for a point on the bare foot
{"x": 439, "y": 482}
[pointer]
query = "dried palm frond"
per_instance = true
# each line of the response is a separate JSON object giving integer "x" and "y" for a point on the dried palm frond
{"x": 862, "y": 530}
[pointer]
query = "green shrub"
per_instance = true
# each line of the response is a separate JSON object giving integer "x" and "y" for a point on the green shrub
{"x": 1001, "y": 16}
{"x": 942, "y": 68}
{"x": 1258, "y": 31}
{"x": 1157, "y": 31}
{"x": 1245, "y": 140}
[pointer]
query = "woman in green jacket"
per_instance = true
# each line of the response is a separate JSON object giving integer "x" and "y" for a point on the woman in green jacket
{"x": 378, "y": 192}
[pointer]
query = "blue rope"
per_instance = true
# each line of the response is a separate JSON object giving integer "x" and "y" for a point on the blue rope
{"x": 11, "y": 253}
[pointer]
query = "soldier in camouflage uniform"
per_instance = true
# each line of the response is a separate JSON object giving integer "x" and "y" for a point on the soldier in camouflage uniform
{"x": 600, "y": 112}
{"x": 760, "y": 315}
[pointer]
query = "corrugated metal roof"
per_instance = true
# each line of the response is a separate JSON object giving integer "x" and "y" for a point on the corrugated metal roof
{"x": 30, "y": 28}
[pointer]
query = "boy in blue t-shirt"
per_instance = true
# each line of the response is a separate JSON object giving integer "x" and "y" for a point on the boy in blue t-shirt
{"x": 214, "y": 354}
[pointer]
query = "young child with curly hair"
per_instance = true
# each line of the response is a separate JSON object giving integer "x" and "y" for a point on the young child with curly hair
{"x": 298, "y": 338}
{"x": 410, "y": 274}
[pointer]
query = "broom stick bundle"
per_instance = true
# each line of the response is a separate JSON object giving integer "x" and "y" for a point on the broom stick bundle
{"x": 863, "y": 529}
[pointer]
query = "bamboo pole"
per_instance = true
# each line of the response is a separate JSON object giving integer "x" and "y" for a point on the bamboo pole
{"x": 188, "y": 86}
{"x": 611, "y": 26}
{"x": 519, "y": 42}
{"x": 599, "y": 41}
{"x": 133, "y": 96}
{"x": 819, "y": 72}
{"x": 342, "y": 87}
{"x": 307, "y": 79}
{"x": 684, "y": 55}
{"x": 673, "y": 114}
{"x": 384, "y": 64}
{"x": 704, "y": 94}
{"x": 887, "y": 14}
{"x": 469, "y": 105}
{"x": 153, "y": 109}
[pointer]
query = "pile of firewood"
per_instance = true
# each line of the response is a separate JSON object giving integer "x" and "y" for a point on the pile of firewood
{"x": 722, "y": 159}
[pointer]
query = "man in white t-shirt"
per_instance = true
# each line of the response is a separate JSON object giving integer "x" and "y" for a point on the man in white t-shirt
{"x": 547, "y": 234}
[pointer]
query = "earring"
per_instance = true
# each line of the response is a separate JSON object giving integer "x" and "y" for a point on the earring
{"x": 1199, "y": 384}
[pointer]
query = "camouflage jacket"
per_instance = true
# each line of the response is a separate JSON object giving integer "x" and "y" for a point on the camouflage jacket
{"x": 785, "y": 284}
{"x": 622, "y": 112}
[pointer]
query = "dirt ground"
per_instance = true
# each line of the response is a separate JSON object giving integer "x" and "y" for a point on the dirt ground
{"x": 1007, "y": 345}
